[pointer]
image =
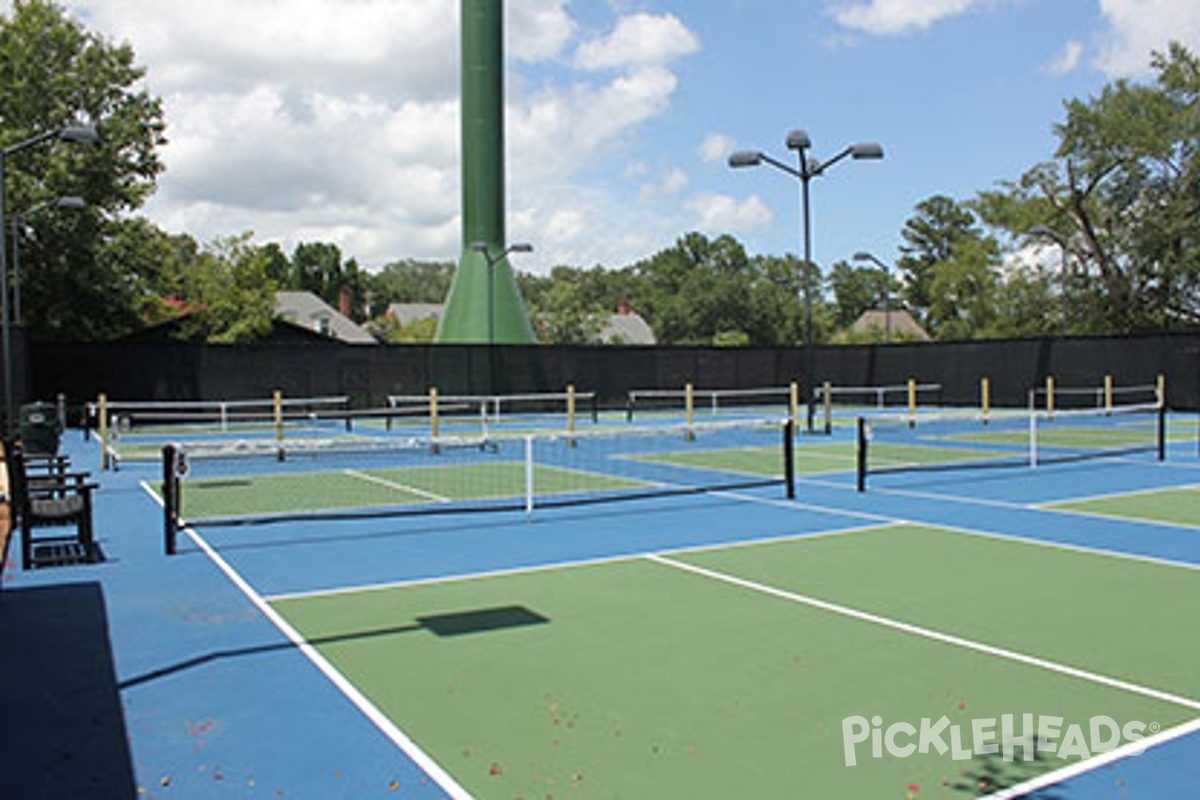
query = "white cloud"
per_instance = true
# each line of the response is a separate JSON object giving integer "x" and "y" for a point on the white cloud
{"x": 715, "y": 147}
{"x": 889, "y": 17}
{"x": 1067, "y": 60}
{"x": 1139, "y": 27}
{"x": 337, "y": 120}
{"x": 639, "y": 40}
{"x": 724, "y": 214}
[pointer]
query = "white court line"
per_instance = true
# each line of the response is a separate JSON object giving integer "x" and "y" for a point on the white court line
{"x": 928, "y": 633}
{"x": 389, "y": 729}
{"x": 403, "y": 487}
{"x": 1075, "y": 770}
{"x": 1086, "y": 498}
{"x": 360, "y": 701}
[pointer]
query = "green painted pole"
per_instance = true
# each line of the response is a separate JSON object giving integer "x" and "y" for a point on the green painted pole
{"x": 484, "y": 305}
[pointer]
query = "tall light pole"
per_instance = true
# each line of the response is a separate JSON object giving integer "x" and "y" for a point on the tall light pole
{"x": 492, "y": 261}
{"x": 73, "y": 134}
{"x": 799, "y": 142}
{"x": 1042, "y": 232}
{"x": 65, "y": 203}
{"x": 887, "y": 291}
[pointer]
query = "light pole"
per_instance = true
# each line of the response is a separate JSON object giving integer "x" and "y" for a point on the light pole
{"x": 73, "y": 134}
{"x": 65, "y": 203}
{"x": 887, "y": 291}
{"x": 810, "y": 168}
{"x": 482, "y": 247}
{"x": 1041, "y": 231}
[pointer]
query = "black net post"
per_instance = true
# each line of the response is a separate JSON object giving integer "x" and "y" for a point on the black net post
{"x": 1162, "y": 431}
{"x": 789, "y": 458}
{"x": 170, "y": 496}
{"x": 860, "y": 454}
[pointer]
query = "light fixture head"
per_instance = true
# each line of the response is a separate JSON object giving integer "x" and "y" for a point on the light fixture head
{"x": 866, "y": 150}
{"x": 798, "y": 140}
{"x": 745, "y": 158}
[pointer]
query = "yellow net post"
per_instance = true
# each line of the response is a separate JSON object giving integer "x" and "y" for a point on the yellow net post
{"x": 985, "y": 398}
{"x": 689, "y": 406}
{"x": 1050, "y": 395}
{"x": 571, "y": 412}
{"x": 102, "y": 429}
{"x": 794, "y": 406}
{"x": 1108, "y": 394}
{"x": 277, "y": 414}
{"x": 434, "y": 424}
{"x": 827, "y": 402}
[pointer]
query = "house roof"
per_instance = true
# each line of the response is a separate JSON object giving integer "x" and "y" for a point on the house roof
{"x": 307, "y": 310}
{"x": 899, "y": 322}
{"x": 627, "y": 328}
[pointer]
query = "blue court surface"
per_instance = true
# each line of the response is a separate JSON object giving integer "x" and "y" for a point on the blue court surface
{"x": 732, "y": 641}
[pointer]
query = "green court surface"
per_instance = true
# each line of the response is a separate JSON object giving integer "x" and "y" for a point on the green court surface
{"x": 1180, "y": 506}
{"x": 764, "y": 461}
{"x": 737, "y": 672}
{"x": 250, "y": 495}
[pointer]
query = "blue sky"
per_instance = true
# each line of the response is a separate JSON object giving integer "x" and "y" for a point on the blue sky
{"x": 338, "y": 121}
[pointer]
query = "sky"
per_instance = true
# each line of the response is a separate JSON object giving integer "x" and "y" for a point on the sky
{"x": 337, "y": 120}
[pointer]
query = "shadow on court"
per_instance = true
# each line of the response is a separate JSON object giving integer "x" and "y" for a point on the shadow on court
{"x": 442, "y": 625}
{"x": 65, "y": 734}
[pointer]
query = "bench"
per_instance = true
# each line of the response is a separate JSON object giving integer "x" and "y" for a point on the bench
{"x": 46, "y": 494}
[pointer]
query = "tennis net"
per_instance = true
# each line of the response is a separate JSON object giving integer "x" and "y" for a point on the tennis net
{"x": 940, "y": 442}
{"x": 255, "y": 483}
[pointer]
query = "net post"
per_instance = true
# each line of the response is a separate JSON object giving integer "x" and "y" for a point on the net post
{"x": 1108, "y": 394}
{"x": 102, "y": 427}
{"x": 571, "y": 415}
{"x": 794, "y": 404}
{"x": 912, "y": 400}
{"x": 529, "y": 476}
{"x": 170, "y": 496}
{"x": 1050, "y": 396}
{"x": 689, "y": 404}
{"x": 827, "y": 390}
{"x": 985, "y": 396}
{"x": 434, "y": 424}
{"x": 860, "y": 454}
{"x": 789, "y": 458}
{"x": 276, "y": 414}
{"x": 570, "y": 408}
{"x": 1160, "y": 390}
{"x": 1033, "y": 438}
{"x": 1161, "y": 431}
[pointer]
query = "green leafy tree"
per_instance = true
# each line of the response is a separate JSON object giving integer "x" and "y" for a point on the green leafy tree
{"x": 931, "y": 237}
{"x": 1123, "y": 196}
{"x": 54, "y": 72}
{"x": 855, "y": 291}
{"x": 229, "y": 295}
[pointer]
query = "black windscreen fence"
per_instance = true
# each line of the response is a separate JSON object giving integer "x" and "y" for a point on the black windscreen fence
{"x": 368, "y": 374}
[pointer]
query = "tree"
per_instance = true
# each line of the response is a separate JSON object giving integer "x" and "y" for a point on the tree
{"x": 931, "y": 237}
{"x": 54, "y": 73}
{"x": 855, "y": 291}
{"x": 1123, "y": 195}
{"x": 229, "y": 296}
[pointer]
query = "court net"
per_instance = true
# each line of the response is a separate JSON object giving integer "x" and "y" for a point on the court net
{"x": 560, "y": 410}
{"x": 257, "y": 484}
{"x": 941, "y": 442}
{"x": 679, "y": 403}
